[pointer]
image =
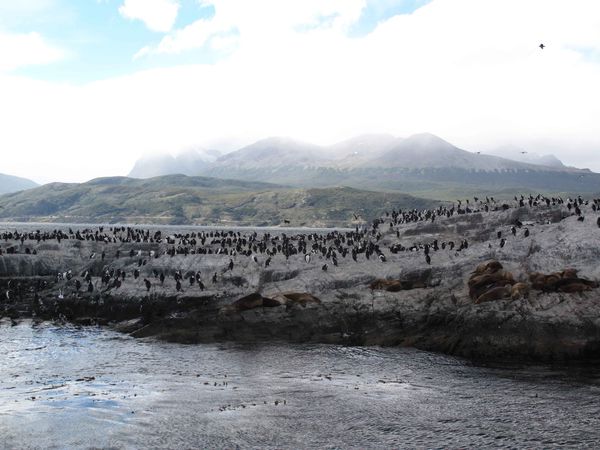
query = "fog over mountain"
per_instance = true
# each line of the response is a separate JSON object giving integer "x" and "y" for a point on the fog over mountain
{"x": 423, "y": 150}
{"x": 188, "y": 162}
{"x": 520, "y": 154}
{"x": 421, "y": 164}
{"x": 9, "y": 183}
{"x": 274, "y": 152}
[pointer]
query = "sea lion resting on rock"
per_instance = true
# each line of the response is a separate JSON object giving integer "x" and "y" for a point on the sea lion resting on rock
{"x": 565, "y": 281}
{"x": 487, "y": 267}
{"x": 295, "y": 298}
{"x": 519, "y": 290}
{"x": 251, "y": 301}
{"x": 489, "y": 281}
{"x": 395, "y": 285}
{"x": 482, "y": 283}
{"x": 256, "y": 300}
{"x": 495, "y": 293}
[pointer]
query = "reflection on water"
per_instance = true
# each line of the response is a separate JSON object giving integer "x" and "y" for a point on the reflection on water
{"x": 90, "y": 387}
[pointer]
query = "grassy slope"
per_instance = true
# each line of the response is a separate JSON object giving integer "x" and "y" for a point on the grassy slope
{"x": 177, "y": 199}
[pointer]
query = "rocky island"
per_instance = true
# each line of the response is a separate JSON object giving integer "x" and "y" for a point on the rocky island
{"x": 481, "y": 279}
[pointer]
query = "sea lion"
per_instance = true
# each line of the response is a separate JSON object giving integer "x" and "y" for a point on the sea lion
{"x": 567, "y": 281}
{"x": 487, "y": 278}
{"x": 386, "y": 285}
{"x": 537, "y": 279}
{"x": 293, "y": 298}
{"x": 569, "y": 273}
{"x": 250, "y": 301}
{"x": 574, "y": 287}
{"x": 396, "y": 285}
{"x": 519, "y": 290}
{"x": 560, "y": 281}
{"x": 496, "y": 293}
{"x": 488, "y": 266}
{"x": 544, "y": 282}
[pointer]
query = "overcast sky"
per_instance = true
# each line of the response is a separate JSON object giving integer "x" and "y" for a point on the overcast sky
{"x": 87, "y": 87}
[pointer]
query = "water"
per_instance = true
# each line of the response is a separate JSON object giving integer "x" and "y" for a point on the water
{"x": 67, "y": 387}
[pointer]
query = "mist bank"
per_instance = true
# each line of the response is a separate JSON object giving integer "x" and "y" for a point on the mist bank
{"x": 421, "y": 164}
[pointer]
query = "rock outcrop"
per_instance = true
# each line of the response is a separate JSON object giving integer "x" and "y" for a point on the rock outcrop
{"x": 533, "y": 296}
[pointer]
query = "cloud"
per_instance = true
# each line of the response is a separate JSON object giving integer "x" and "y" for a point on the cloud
{"x": 157, "y": 15}
{"x": 259, "y": 20}
{"x": 19, "y": 50}
{"x": 467, "y": 70}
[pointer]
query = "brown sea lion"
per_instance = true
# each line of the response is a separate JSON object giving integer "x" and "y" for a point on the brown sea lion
{"x": 387, "y": 285}
{"x": 569, "y": 273}
{"x": 560, "y": 281}
{"x": 302, "y": 298}
{"x": 574, "y": 287}
{"x": 477, "y": 280}
{"x": 519, "y": 290}
{"x": 295, "y": 298}
{"x": 251, "y": 301}
{"x": 496, "y": 293}
{"x": 488, "y": 266}
{"x": 567, "y": 281}
{"x": 481, "y": 283}
{"x": 537, "y": 280}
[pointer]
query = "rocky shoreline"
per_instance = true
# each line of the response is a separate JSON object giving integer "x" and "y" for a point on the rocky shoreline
{"x": 432, "y": 310}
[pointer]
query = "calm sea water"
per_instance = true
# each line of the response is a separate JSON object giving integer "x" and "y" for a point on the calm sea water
{"x": 66, "y": 387}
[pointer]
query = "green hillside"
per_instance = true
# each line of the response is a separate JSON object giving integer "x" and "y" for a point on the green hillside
{"x": 178, "y": 199}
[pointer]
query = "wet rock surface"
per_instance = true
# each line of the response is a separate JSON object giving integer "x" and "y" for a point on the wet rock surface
{"x": 413, "y": 290}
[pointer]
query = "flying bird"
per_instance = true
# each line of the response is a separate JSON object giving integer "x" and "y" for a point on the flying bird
{"x": 542, "y": 46}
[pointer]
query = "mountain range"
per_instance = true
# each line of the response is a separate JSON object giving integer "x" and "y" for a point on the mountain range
{"x": 10, "y": 183}
{"x": 422, "y": 164}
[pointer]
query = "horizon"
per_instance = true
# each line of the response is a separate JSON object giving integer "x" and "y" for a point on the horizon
{"x": 90, "y": 88}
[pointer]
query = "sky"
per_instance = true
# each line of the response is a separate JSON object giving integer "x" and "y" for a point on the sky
{"x": 88, "y": 86}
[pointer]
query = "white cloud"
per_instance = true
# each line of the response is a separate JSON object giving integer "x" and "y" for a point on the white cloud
{"x": 157, "y": 15}
{"x": 260, "y": 20}
{"x": 18, "y": 50}
{"x": 467, "y": 70}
